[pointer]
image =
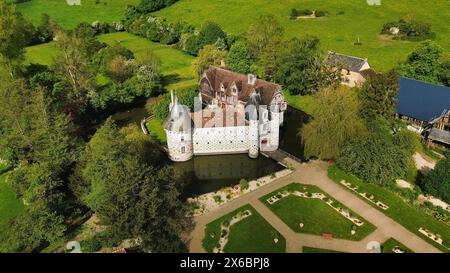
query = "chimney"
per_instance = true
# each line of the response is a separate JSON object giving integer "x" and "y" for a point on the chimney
{"x": 251, "y": 79}
{"x": 223, "y": 64}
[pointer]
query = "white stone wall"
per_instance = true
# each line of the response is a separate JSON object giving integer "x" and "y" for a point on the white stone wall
{"x": 253, "y": 136}
{"x": 179, "y": 145}
{"x": 220, "y": 140}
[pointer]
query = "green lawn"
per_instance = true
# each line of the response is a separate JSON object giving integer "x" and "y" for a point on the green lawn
{"x": 156, "y": 130}
{"x": 409, "y": 216}
{"x": 10, "y": 205}
{"x": 318, "y": 218}
{"x": 387, "y": 246}
{"x": 307, "y": 249}
{"x": 42, "y": 54}
{"x": 69, "y": 16}
{"x": 346, "y": 22}
{"x": 251, "y": 235}
{"x": 304, "y": 103}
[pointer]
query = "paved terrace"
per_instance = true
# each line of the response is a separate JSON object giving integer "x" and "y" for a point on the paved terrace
{"x": 313, "y": 173}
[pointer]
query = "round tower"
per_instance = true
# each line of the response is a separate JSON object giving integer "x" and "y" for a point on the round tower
{"x": 178, "y": 128}
{"x": 274, "y": 127}
{"x": 251, "y": 109}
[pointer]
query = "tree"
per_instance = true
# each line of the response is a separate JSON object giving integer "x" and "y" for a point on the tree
{"x": 239, "y": 59}
{"x": 120, "y": 69}
{"x": 207, "y": 56}
{"x": 300, "y": 69}
{"x": 15, "y": 31}
{"x": 210, "y": 33}
{"x": 437, "y": 181}
{"x": 423, "y": 63}
{"x": 264, "y": 39}
{"x": 265, "y": 32}
{"x": 444, "y": 75}
{"x": 379, "y": 96}
{"x": 375, "y": 159}
{"x": 335, "y": 121}
{"x": 130, "y": 192}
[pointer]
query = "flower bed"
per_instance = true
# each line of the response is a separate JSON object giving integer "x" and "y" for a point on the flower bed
{"x": 225, "y": 229}
{"x": 210, "y": 201}
{"x": 370, "y": 197}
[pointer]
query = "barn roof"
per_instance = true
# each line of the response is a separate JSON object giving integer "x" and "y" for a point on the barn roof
{"x": 440, "y": 135}
{"x": 422, "y": 101}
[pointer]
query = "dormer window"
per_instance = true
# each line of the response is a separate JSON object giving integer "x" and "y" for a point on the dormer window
{"x": 234, "y": 90}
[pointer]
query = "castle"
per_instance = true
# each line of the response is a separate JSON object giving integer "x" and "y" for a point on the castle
{"x": 234, "y": 113}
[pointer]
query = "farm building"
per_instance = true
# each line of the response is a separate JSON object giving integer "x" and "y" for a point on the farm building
{"x": 426, "y": 109}
{"x": 354, "y": 70}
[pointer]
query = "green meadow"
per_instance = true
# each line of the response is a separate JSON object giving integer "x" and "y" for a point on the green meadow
{"x": 10, "y": 205}
{"x": 338, "y": 31}
{"x": 69, "y": 16}
{"x": 176, "y": 66}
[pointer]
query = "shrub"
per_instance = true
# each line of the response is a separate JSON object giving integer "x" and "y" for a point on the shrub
{"x": 320, "y": 13}
{"x": 305, "y": 12}
{"x": 217, "y": 199}
{"x": 294, "y": 14}
{"x": 243, "y": 183}
{"x": 90, "y": 245}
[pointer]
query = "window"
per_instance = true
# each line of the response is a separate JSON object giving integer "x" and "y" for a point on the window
{"x": 183, "y": 149}
{"x": 182, "y": 138}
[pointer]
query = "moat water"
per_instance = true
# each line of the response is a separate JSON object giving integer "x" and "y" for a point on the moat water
{"x": 205, "y": 174}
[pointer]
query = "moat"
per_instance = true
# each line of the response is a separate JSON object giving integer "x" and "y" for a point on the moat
{"x": 211, "y": 173}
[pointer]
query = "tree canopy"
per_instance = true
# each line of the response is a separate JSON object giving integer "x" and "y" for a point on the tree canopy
{"x": 335, "y": 121}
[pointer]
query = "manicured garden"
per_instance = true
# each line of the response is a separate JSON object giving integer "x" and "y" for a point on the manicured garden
{"x": 394, "y": 246}
{"x": 69, "y": 16}
{"x": 314, "y": 215}
{"x": 251, "y": 234}
{"x": 410, "y": 216}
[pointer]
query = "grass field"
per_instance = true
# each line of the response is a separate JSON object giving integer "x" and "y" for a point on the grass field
{"x": 10, "y": 205}
{"x": 156, "y": 130}
{"x": 387, "y": 246}
{"x": 176, "y": 66}
{"x": 346, "y": 22}
{"x": 69, "y": 16}
{"x": 318, "y": 218}
{"x": 400, "y": 211}
{"x": 251, "y": 235}
{"x": 304, "y": 103}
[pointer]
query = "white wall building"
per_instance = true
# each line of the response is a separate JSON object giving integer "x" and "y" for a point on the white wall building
{"x": 238, "y": 118}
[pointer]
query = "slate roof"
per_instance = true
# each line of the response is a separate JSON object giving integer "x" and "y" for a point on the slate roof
{"x": 217, "y": 76}
{"x": 422, "y": 101}
{"x": 440, "y": 135}
{"x": 345, "y": 61}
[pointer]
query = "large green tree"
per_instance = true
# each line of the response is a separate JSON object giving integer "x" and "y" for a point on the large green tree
{"x": 208, "y": 55}
{"x": 335, "y": 121}
{"x": 120, "y": 178}
{"x": 437, "y": 181}
{"x": 239, "y": 59}
{"x": 15, "y": 33}
{"x": 300, "y": 69}
{"x": 423, "y": 63}
{"x": 379, "y": 95}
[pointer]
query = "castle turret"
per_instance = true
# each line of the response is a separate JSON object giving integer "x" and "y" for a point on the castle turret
{"x": 274, "y": 127}
{"x": 178, "y": 128}
{"x": 251, "y": 109}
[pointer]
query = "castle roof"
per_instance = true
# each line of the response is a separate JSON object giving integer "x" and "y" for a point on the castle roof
{"x": 216, "y": 76}
{"x": 229, "y": 116}
{"x": 179, "y": 119}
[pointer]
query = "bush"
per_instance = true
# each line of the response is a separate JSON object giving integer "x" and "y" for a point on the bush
{"x": 320, "y": 13}
{"x": 305, "y": 12}
{"x": 90, "y": 245}
{"x": 437, "y": 181}
{"x": 294, "y": 14}
{"x": 243, "y": 183}
{"x": 217, "y": 199}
